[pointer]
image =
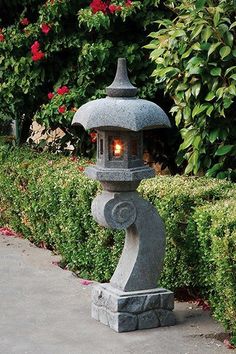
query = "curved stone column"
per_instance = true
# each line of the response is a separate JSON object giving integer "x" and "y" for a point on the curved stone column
{"x": 141, "y": 261}
{"x": 132, "y": 300}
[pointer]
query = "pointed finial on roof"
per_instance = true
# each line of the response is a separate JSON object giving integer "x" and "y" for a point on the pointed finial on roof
{"x": 121, "y": 86}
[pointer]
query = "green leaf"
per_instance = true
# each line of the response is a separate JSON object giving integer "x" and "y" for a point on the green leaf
{"x": 189, "y": 168}
{"x": 200, "y": 4}
{"x": 215, "y": 72}
{"x": 178, "y": 118}
{"x": 212, "y": 171}
{"x": 196, "y": 141}
{"x": 213, "y": 135}
{"x": 206, "y": 33}
{"x": 187, "y": 53}
{"x": 187, "y": 113}
{"x": 232, "y": 89}
{"x": 150, "y": 45}
{"x": 233, "y": 25}
{"x": 216, "y": 18}
{"x": 220, "y": 92}
{"x": 230, "y": 69}
{"x": 227, "y": 102}
{"x": 156, "y": 53}
{"x": 188, "y": 139}
{"x": 222, "y": 175}
{"x": 196, "y": 46}
{"x": 196, "y": 89}
{"x": 209, "y": 110}
{"x": 181, "y": 87}
{"x": 223, "y": 150}
{"x": 210, "y": 96}
{"x": 213, "y": 48}
{"x": 198, "y": 30}
{"x": 224, "y": 51}
{"x": 178, "y": 33}
{"x": 229, "y": 38}
{"x": 198, "y": 109}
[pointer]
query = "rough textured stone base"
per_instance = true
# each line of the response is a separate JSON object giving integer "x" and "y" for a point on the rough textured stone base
{"x": 129, "y": 311}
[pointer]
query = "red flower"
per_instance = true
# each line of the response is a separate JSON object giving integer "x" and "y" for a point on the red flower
{"x": 36, "y": 53}
{"x": 45, "y": 28}
{"x": 2, "y": 37}
{"x": 93, "y": 137}
{"x": 114, "y": 8}
{"x": 128, "y": 3}
{"x": 38, "y": 56}
{"x": 50, "y": 95}
{"x": 6, "y": 231}
{"x": 98, "y": 5}
{"x": 62, "y": 109}
{"x": 85, "y": 282}
{"x": 35, "y": 47}
{"x": 228, "y": 344}
{"x": 62, "y": 90}
{"x": 24, "y": 21}
{"x": 81, "y": 168}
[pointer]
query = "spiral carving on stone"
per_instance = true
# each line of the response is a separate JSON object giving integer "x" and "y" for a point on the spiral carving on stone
{"x": 121, "y": 214}
{"x": 124, "y": 212}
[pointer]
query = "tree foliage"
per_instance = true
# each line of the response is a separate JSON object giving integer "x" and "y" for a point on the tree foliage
{"x": 195, "y": 57}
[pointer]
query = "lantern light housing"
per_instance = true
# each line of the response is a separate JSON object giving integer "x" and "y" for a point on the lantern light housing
{"x": 119, "y": 120}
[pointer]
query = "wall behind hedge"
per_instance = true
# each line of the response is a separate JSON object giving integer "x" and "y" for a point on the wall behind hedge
{"x": 47, "y": 198}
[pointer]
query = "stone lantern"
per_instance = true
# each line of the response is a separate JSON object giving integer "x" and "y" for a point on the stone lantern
{"x": 132, "y": 299}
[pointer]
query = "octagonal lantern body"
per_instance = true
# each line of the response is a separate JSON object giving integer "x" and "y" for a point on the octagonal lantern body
{"x": 119, "y": 120}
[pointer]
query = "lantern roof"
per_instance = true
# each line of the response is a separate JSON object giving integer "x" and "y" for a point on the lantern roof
{"x": 121, "y": 109}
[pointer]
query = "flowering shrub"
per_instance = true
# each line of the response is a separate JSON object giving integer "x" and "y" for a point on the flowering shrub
{"x": 47, "y": 198}
{"x": 56, "y": 55}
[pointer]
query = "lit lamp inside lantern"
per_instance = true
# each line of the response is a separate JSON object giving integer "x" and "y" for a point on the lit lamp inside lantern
{"x": 117, "y": 147}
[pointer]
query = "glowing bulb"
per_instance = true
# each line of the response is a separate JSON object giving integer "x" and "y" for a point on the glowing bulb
{"x": 117, "y": 148}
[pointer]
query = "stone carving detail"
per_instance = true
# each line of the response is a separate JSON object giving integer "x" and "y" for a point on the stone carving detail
{"x": 123, "y": 213}
{"x": 112, "y": 210}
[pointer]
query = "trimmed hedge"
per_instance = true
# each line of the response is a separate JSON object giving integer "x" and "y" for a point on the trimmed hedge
{"x": 47, "y": 198}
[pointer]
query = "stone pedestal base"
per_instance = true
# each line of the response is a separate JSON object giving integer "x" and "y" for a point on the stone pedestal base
{"x": 129, "y": 311}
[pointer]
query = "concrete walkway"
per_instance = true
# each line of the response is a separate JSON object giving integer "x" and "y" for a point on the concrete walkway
{"x": 46, "y": 310}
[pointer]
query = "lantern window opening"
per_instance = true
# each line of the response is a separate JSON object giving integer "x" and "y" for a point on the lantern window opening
{"x": 116, "y": 148}
{"x": 134, "y": 149}
{"x": 101, "y": 146}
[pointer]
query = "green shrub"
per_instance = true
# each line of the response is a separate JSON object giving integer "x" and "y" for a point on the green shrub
{"x": 216, "y": 230}
{"x": 195, "y": 62}
{"x": 47, "y": 198}
{"x": 176, "y": 199}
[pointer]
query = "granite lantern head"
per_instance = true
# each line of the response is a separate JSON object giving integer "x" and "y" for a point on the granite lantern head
{"x": 119, "y": 120}
{"x": 131, "y": 300}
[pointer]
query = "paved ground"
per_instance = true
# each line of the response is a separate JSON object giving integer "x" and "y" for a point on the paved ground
{"x": 46, "y": 310}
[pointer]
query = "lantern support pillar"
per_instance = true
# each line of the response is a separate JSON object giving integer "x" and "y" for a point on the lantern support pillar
{"x": 132, "y": 300}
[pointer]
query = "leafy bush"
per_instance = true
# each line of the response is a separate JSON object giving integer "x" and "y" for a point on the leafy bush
{"x": 55, "y": 55}
{"x": 195, "y": 61}
{"x": 47, "y": 198}
{"x": 216, "y": 230}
